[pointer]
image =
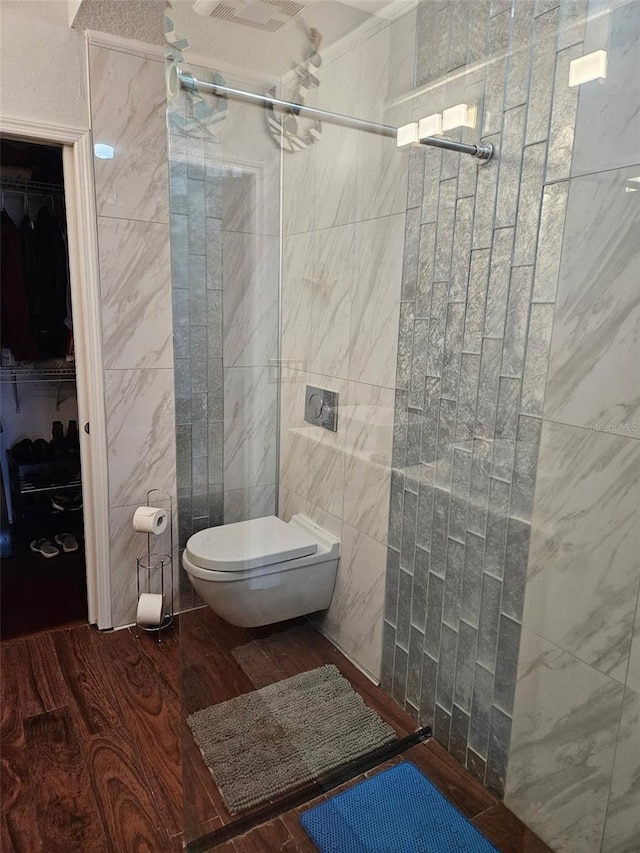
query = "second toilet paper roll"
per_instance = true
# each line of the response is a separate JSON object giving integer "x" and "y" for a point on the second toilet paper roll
{"x": 149, "y": 613}
{"x": 150, "y": 519}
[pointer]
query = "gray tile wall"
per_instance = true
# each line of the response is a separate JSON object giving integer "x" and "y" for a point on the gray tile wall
{"x": 473, "y": 351}
{"x": 196, "y": 272}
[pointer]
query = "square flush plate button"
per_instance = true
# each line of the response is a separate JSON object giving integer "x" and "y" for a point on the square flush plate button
{"x": 321, "y": 408}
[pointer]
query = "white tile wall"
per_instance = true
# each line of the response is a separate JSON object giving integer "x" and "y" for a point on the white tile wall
{"x": 343, "y": 211}
{"x": 562, "y": 746}
{"x": 128, "y": 112}
{"x": 576, "y": 725}
{"x": 136, "y": 304}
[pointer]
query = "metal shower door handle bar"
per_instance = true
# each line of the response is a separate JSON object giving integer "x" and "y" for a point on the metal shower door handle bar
{"x": 482, "y": 152}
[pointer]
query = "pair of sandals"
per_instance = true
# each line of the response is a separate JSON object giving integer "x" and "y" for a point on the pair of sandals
{"x": 65, "y": 503}
{"x": 67, "y": 542}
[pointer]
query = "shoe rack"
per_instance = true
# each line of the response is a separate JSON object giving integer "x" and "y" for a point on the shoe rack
{"x": 46, "y": 493}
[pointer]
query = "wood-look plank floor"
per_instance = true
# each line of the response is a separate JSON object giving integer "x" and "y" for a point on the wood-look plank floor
{"x": 96, "y": 755}
{"x": 37, "y": 594}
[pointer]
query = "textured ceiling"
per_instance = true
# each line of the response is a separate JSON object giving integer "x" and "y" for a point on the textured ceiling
{"x": 134, "y": 19}
{"x": 222, "y": 43}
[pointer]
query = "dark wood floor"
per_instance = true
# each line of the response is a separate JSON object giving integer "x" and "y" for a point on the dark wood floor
{"x": 91, "y": 730}
{"x": 493, "y": 819}
{"x": 37, "y": 593}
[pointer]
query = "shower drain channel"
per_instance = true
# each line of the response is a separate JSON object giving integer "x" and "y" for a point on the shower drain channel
{"x": 308, "y": 792}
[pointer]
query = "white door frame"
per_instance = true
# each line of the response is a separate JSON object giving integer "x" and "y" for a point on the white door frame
{"x": 82, "y": 238}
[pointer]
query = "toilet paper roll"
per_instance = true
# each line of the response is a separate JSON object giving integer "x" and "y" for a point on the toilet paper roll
{"x": 149, "y": 613}
{"x": 150, "y": 519}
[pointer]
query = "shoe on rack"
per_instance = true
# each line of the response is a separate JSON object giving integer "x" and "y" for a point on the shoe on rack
{"x": 41, "y": 449}
{"x": 57, "y": 443}
{"x": 44, "y": 547}
{"x": 23, "y": 450}
{"x": 72, "y": 439}
{"x": 67, "y": 541}
{"x": 75, "y": 502}
{"x": 61, "y": 503}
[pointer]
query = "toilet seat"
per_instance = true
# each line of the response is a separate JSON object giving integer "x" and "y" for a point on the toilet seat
{"x": 249, "y": 545}
{"x": 263, "y": 571}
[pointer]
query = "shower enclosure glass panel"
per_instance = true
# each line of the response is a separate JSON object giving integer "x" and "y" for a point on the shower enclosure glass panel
{"x": 225, "y": 212}
{"x": 422, "y": 291}
{"x": 287, "y": 252}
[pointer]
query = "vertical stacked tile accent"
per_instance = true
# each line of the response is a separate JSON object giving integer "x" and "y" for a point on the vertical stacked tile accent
{"x": 473, "y": 350}
{"x": 128, "y": 110}
{"x": 580, "y": 655}
{"x": 196, "y": 271}
{"x": 224, "y": 200}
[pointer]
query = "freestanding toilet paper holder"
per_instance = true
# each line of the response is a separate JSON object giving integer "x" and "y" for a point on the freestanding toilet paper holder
{"x": 154, "y": 565}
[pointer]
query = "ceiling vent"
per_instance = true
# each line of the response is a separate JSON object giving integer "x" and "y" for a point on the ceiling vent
{"x": 270, "y": 16}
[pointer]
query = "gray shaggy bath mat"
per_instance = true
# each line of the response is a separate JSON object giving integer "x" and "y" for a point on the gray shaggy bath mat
{"x": 262, "y": 744}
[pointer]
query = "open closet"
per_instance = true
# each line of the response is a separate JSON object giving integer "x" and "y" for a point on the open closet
{"x": 42, "y": 573}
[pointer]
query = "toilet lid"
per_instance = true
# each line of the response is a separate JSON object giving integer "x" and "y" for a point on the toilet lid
{"x": 249, "y": 544}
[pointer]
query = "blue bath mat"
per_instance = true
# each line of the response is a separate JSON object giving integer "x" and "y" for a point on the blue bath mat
{"x": 397, "y": 811}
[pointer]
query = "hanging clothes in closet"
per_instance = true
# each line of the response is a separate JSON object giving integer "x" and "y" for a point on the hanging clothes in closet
{"x": 16, "y": 327}
{"x": 30, "y": 267}
{"x": 35, "y": 311}
{"x": 51, "y": 286}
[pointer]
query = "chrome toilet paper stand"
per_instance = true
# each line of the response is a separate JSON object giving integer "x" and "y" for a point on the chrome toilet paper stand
{"x": 154, "y": 563}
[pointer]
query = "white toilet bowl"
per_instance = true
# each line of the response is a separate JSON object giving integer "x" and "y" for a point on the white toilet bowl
{"x": 262, "y": 571}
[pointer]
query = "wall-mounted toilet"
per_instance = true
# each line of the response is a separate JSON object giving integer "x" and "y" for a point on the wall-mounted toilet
{"x": 264, "y": 570}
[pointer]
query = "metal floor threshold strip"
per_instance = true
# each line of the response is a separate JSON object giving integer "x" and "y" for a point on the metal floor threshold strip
{"x": 307, "y": 792}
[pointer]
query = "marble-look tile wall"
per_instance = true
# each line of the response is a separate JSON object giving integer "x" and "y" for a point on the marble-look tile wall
{"x": 575, "y": 745}
{"x": 127, "y": 112}
{"x": 224, "y": 199}
{"x": 344, "y": 202}
{"x": 482, "y": 248}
